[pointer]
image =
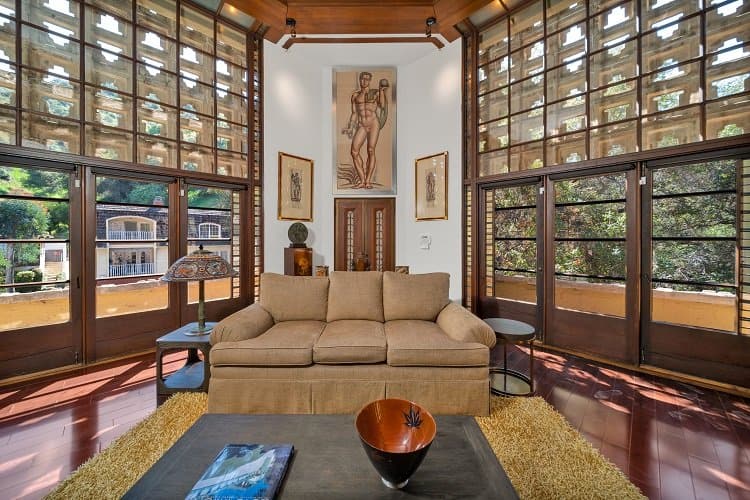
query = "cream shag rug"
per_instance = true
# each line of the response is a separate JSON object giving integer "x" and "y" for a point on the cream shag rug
{"x": 542, "y": 454}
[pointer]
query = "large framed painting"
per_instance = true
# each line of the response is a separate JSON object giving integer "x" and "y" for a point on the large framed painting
{"x": 295, "y": 187}
{"x": 364, "y": 131}
{"x": 431, "y": 187}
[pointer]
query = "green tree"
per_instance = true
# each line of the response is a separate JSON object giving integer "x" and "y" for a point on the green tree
{"x": 20, "y": 219}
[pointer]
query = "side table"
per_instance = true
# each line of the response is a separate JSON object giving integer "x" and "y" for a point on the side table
{"x": 505, "y": 381}
{"x": 194, "y": 376}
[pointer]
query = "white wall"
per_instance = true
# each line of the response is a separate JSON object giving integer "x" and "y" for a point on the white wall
{"x": 298, "y": 120}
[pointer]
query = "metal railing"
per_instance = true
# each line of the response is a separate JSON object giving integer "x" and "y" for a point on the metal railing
{"x": 131, "y": 235}
{"x": 132, "y": 269}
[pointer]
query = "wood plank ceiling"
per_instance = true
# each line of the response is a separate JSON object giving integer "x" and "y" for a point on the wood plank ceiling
{"x": 359, "y": 17}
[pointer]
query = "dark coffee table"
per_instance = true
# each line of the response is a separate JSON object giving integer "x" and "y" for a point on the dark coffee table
{"x": 329, "y": 461}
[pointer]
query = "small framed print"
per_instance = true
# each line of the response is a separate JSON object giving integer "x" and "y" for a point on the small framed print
{"x": 295, "y": 187}
{"x": 431, "y": 187}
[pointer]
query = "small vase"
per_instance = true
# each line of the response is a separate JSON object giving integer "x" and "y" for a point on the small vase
{"x": 361, "y": 262}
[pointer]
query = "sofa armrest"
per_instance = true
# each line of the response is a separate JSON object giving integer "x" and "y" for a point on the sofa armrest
{"x": 461, "y": 324}
{"x": 245, "y": 324}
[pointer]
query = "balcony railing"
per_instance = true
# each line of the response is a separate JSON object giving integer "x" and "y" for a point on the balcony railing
{"x": 131, "y": 235}
{"x": 132, "y": 269}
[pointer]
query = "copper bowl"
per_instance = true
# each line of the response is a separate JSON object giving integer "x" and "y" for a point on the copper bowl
{"x": 396, "y": 435}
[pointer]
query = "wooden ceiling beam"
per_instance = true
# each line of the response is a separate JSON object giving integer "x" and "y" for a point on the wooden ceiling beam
{"x": 451, "y": 12}
{"x": 393, "y": 39}
{"x": 272, "y": 13}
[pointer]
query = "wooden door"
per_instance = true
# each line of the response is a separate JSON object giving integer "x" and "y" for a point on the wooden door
{"x": 365, "y": 225}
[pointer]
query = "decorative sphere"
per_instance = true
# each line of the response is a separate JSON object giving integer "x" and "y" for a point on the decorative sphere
{"x": 384, "y": 82}
{"x": 396, "y": 435}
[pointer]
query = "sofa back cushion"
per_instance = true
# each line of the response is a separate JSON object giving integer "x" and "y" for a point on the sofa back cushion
{"x": 294, "y": 298}
{"x": 355, "y": 295}
{"x": 414, "y": 296}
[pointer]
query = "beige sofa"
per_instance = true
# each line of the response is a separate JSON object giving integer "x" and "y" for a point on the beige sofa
{"x": 330, "y": 345}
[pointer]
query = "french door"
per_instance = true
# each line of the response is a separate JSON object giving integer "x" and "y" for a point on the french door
{"x": 365, "y": 225}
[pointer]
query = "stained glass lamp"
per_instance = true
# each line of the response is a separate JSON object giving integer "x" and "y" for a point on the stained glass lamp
{"x": 199, "y": 266}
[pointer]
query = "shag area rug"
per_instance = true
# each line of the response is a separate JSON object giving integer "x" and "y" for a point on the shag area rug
{"x": 543, "y": 455}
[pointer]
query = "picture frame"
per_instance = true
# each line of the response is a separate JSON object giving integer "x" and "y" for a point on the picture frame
{"x": 364, "y": 113}
{"x": 431, "y": 187}
{"x": 295, "y": 188}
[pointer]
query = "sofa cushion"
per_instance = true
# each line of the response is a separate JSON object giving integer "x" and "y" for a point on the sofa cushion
{"x": 351, "y": 341}
{"x": 355, "y": 295}
{"x": 414, "y": 296}
{"x": 289, "y": 343}
{"x": 294, "y": 298}
{"x": 423, "y": 343}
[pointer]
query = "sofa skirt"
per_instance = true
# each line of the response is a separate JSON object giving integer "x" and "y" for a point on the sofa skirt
{"x": 344, "y": 389}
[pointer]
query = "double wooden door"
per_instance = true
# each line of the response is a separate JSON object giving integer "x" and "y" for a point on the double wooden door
{"x": 364, "y": 225}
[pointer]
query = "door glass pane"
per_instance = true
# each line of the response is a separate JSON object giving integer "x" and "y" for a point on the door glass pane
{"x": 34, "y": 273}
{"x": 211, "y": 217}
{"x": 513, "y": 249}
{"x": 590, "y": 248}
{"x": 694, "y": 245}
{"x": 132, "y": 246}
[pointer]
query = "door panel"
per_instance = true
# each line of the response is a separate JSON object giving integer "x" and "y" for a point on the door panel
{"x": 365, "y": 225}
{"x": 39, "y": 324}
{"x": 693, "y": 224}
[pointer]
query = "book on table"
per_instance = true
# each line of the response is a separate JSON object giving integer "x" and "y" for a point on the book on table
{"x": 244, "y": 471}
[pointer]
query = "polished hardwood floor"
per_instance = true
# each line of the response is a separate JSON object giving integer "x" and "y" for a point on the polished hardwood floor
{"x": 673, "y": 440}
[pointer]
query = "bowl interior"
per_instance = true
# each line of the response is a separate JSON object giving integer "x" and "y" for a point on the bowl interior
{"x": 395, "y": 425}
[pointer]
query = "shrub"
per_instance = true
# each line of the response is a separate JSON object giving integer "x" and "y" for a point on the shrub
{"x": 28, "y": 277}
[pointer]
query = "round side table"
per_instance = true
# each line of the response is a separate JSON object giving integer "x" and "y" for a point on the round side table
{"x": 504, "y": 381}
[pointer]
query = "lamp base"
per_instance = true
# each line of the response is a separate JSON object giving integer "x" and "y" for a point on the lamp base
{"x": 197, "y": 331}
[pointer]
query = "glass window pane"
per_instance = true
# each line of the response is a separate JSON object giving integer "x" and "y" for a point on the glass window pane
{"x": 726, "y": 25}
{"x": 671, "y": 88}
{"x": 727, "y": 118}
{"x": 658, "y": 13}
{"x": 231, "y": 137}
{"x": 231, "y": 107}
{"x": 47, "y": 51}
{"x": 493, "y": 135}
{"x": 109, "y": 70}
{"x": 586, "y": 189}
{"x": 599, "y": 220}
{"x": 613, "y": 26}
{"x": 493, "y": 42}
{"x": 493, "y": 76}
{"x": 527, "y": 61}
{"x": 196, "y": 97}
{"x": 197, "y": 158}
{"x": 158, "y": 15}
{"x": 197, "y": 29}
{"x": 108, "y": 143}
{"x": 702, "y": 261}
{"x": 695, "y": 178}
{"x": 561, "y": 13}
{"x": 233, "y": 164}
{"x": 615, "y": 103}
{"x": 493, "y": 105}
{"x": 31, "y": 219}
{"x": 109, "y": 108}
{"x": 156, "y": 50}
{"x": 527, "y": 94}
{"x": 231, "y": 45}
{"x": 566, "y": 149}
{"x": 613, "y": 140}
{"x": 34, "y": 305}
{"x": 7, "y": 84}
{"x": 52, "y": 134}
{"x": 527, "y": 157}
{"x": 695, "y": 216}
{"x": 526, "y": 127}
{"x": 157, "y": 153}
{"x": 7, "y": 40}
{"x": 727, "y": 78}
{"x": 613, "y": 65}
{"x": 8, "y": 8}
{"x": 566, "y": 45}
{"x": 48, "y": 93}
{"x": 515, "y": 196}
{"x": 108, "y": 32}
{"x": 514, "y": 255}
{"x": 62, "y": 16}
{"x": 158, "y": 86}
{"x": 7, "y": 126}
{"x": 602, "y": 259}
{"x": 567, "y": 80}
{"x": 231, "y": 78}
{"x": 196, "y": 129}
{"x": 526, "y": 25}
{"x": 516, "y": 223}
{"x": 493, "y": 163}
{"x": 591, "y": 295}
{"x": 566, "y": 116}
{"x": 122, "y": 8}
{"x": 671, "y": 44}
{"x": 671, "y": 128}
{"x": 196, "y": 65}
{"x": 156, "y": 120}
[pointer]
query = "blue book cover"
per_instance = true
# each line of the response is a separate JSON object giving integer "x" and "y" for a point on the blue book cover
{"x": 244, "y": 471}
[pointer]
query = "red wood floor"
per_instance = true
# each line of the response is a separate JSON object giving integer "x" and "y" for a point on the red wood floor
{"x": 674, "y": 441}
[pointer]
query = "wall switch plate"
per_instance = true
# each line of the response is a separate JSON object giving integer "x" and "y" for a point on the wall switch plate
{"x": 425, "y": 240}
